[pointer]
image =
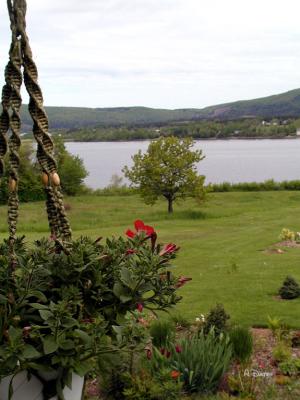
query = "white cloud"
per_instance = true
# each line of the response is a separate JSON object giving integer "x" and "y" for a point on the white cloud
{"x": 161, "y": 53}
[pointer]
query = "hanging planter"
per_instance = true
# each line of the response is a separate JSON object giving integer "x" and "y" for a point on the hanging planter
{"x": 24, "y": 387}
{"x": 61, "y": 300}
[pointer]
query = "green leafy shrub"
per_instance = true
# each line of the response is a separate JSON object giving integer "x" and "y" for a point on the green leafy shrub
{"x": 290, "y": 289}
{"x": 290, "y": 367}
{"x": 217, "y": 319}
{"x": 144, "y": 386}
{"x": 162, "y": 332}
{"x": 200, "y": 361}
{"x": 281, "y": 353}
{"x": 242, "y": 344}
{"x": 62, "y": 307}
{"x": 287, "y": 235}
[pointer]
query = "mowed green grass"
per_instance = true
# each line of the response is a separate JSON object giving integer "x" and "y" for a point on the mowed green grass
{"x": 222, "y": 242}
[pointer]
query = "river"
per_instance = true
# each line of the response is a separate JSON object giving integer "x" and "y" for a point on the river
{"x": 225, "y": 160}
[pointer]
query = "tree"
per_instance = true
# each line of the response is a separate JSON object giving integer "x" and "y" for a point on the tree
{"x": 167, "y": 169}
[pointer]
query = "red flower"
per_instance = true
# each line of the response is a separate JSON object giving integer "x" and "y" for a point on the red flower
{"x": 175, "y": 374}
{"x": 140, "y": 227}
{"x": 162, "y": 351}
{"x": 168, "y": 249}
{"x": 182, "y": 280}
{"x": 178, "y": 349}
{"x": 139, "y": 307}
{"x": 168, "y": 354}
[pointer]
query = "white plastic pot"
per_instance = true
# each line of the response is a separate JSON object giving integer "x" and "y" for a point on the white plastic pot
{"x": 24, "y": 389}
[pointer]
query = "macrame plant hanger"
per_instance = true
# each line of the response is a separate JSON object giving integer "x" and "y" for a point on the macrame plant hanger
{"x": 21, "y": 66}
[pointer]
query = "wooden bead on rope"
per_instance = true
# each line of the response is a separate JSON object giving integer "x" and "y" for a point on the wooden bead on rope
{"x": 45, "y": 179}
{"x": 12, "y": 185}
{"x": 55, "y": 179}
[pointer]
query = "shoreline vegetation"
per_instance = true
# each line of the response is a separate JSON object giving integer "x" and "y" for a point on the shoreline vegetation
{"x": 223, "y": 187}
{"x": 250, "y": 128}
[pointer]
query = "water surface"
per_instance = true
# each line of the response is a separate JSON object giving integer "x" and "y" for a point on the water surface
{"x": 226, "y": 160}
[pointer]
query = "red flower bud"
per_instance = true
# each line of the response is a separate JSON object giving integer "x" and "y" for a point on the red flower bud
{"x": 182, "y": 280}
{"x": 168, "y": 249}
{"x": 178, "y": 349}
{"x": 140, "y": 307}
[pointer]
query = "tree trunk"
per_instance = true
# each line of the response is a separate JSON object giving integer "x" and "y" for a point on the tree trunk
{"x": 170, "y": 205}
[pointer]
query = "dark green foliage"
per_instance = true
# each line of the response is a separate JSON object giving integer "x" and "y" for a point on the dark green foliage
{"x": 30, "y": 185}
{"x": 162, "y": 332}
{"x": 216, "y": 319}
{"x": 63, "y": 307}
{"x": 290, "y": 289}
{"x": 201, "y": 361}
{"x": 242, "y": 343}
{"x": 71, "y": 170}
{"x": 204, "y": 129}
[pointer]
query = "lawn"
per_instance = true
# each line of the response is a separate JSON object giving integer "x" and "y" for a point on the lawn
{"x": 222, "y": 242}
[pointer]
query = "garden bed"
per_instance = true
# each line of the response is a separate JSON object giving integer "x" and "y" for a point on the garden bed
{"x": 263, "y": 373}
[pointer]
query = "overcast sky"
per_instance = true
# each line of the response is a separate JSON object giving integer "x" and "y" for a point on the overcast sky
{"x": 161, "y": 53}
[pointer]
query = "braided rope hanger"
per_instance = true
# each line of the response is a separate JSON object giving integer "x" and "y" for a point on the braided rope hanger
{"x": 20, "y": 55}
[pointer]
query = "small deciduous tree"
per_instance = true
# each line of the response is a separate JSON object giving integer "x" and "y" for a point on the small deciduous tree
{"x": 167, "y": 169}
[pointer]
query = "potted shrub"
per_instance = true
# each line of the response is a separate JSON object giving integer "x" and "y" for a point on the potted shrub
{"x": 59, "y": 307}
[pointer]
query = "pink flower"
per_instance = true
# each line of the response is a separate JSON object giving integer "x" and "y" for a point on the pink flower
{"x": 26, "y": 331}
{"x": 140, "y": 307}
{"x": 140, "y": 227}
{"x": 178, "y": 349}
{"x": 182, "y": 280}
{"x": 168, "y": 249}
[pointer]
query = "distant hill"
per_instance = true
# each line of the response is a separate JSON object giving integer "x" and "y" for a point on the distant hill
{"x": 282, "y": 105}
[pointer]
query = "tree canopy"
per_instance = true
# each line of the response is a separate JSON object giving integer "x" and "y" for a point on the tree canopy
{"x": 167, "y": 169}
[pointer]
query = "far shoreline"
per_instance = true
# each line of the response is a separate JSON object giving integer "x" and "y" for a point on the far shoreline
{"x": 196, "y": 139}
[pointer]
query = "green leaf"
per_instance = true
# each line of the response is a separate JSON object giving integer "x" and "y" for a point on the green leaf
{"x": 49, "y": 345}
{"x": 69, "y": 322}
{"x": 39, "y": 295}
{"x": 45, "y": 314}
{"x": 83, "y": 367}
{"x": 125, "y": 298}
{"x": 83, "y": 336}
{"x": 3, "y": 299}
{"x": 14, "y": 333}
{"x": 39, "y": 306}
{"x": 30, "y": 352}
{"x": 127, "y": 279}
{"x": 67, "y": 344}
